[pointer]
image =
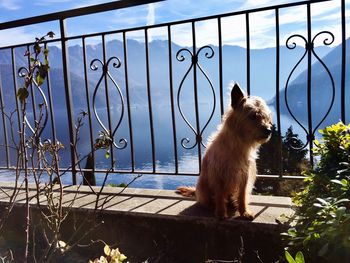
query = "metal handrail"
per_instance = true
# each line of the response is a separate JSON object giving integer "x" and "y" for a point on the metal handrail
{"x": 75, "y": 12}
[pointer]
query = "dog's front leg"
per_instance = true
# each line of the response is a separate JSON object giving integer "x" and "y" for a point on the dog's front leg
{"x": 221, "y": 205}
{"x": 242, "y": 199}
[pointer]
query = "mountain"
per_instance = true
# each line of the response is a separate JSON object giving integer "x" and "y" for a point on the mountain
{"x": 234, "y": 65}
{"x": 263, "y": 75}
{"x": 57, "y": 87}
{"x": 234, "y": 69}
{"x": 321, "y": 90}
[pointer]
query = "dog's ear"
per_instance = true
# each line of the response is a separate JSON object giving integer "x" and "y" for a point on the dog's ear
{"x": 237, "y": 95}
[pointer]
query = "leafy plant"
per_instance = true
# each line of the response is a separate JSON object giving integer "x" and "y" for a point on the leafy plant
{"x": 299, "y": 257}
{"x": 38, "y": 69}
{"x": 104, "y": 141}
{"x": 38, "y": 159}
{"x": 322, "y": 219}
{"x": 111, "y": 256}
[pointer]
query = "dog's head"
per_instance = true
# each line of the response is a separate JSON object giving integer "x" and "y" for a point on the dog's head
{"x": 251, "y": 116}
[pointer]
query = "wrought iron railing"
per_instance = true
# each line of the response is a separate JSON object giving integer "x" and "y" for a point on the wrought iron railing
{"x": 125, "y": 143}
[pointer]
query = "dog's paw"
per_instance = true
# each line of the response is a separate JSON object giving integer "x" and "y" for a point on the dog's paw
{"x": 247, "y": 215}
{"x": 221, "y": 214}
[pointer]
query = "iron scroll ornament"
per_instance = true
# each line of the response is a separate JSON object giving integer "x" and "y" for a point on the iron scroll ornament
{"x": 309, "y": 47}
{"x": 23, "y": 72}
{"x": 194, "y": 63}
{"x": 105, "y": 73}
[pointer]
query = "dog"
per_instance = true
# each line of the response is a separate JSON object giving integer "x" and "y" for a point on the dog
{"x": 228, "y": 169}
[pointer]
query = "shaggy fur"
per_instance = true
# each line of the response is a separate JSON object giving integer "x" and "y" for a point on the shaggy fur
{"x": 228, "y": 168}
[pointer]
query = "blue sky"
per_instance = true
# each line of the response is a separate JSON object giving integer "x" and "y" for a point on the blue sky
{"x": 325, "y": 17}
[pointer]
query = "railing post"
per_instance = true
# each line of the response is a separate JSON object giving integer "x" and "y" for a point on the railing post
{"x": 278, "y": 109}
{"x": 343, "y": 63}
{"x": 309, "y": 83}
{"x": 221, "y": 79}
{"x": 247, "y": 26}
{"x": 195, "y": 87}
{"x": 69, "y": 104}
{"x": 150, "y": 111}
{"x": 2, "y": 108}
{"x": 172, "y": 100}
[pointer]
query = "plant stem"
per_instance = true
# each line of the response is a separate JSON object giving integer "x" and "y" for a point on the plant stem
{"x": 26, "y": 175}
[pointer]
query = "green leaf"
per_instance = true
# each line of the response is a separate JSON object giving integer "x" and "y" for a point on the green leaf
{"x": 122, "y": 257}
{"x": 322, "y": 201}
{"x": 342, "y": 171}
{"x": 289, "y": 257}
{"x": 316, "y": 235}
{"x": 340, "y": 211}
{"x": 343, "y": 182}
{"x": 37, "y": 48}
{"x": 43, "y": 70}
{"x": 22, "y": 94}
{"x": 107, "y": 250}
{"x": 323, "y": 250}
{"x": 299, "y": 258}
{"x": 39, "y": 80}
{"x": 306, "y": 241}
{"x": 344, "y": 200}
{"x": 107, "y": 154}
{"x": 292, "y": 232}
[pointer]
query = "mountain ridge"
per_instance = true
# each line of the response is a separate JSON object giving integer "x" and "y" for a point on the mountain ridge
{"x": 321, "y": 90}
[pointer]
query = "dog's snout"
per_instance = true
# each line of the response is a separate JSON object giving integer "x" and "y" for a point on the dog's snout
{"x": 267, "y": 131}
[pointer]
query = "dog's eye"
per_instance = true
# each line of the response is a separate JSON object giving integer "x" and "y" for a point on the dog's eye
{"x": 253, "y": 116}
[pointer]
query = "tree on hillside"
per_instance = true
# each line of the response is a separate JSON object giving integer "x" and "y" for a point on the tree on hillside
{"x": 294, "y": 160}
{"x": 280, "y": 155}
{"x": 270, "y": 154}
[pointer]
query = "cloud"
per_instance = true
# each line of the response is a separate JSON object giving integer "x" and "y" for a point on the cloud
{"x": 51, "y": 2}
{"x": 249, "y": 4}
{"x": 130, "y": 17}
{"x": 74, "y": 3}
{"x": 325, "y": 16}
{"x": 262, "y": 25}
{"x": 233, "y": 31}
{"x": 10, "y": 4}
{"x": 151, "y": 16}
{"x": 21, "y": 36}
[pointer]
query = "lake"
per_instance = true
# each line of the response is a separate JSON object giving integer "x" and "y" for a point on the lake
{"x": 163, "y": 143}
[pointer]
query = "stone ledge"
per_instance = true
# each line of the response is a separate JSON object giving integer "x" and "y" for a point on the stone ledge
{"x": 161, "y": 226}
{"x": 150, "y": 202}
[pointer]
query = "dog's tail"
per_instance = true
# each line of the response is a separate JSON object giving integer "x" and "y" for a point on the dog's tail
{"x": 186, "y": 191}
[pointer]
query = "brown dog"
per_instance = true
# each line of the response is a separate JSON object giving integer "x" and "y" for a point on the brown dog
{"x": 228, "y": 169}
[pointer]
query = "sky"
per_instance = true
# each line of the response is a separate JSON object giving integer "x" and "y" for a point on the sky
{"x": 325, "y": 16}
